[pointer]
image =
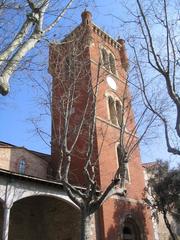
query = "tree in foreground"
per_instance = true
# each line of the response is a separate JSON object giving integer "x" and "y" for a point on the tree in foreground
{"x": 36, "y": 19}
{"x": 163, "y": 193}
{"x": 152, "y": 33}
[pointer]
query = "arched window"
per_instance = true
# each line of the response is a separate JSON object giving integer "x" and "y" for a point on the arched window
{"x": 115, "y": 110}
{"x": 108, "y": 60}
{"x": 105, "y": 58}
{"x": 119, "y": 113}
{"x": 112, "y": 110}
{"x": 112, "y": 63}
{"x": 22, "y": 166}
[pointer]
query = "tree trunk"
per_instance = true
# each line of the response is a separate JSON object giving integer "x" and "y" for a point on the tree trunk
{"x": 86, "y": 232}
{"x": 168, "y": 225}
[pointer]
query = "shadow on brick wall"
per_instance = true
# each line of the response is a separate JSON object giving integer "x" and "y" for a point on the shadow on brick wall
{"x": 128, "y": 214}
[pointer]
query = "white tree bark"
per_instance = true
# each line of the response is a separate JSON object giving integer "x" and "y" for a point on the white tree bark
{"x": 86, "y": 231}
{"x": 12, "y": 64}
{"x": 6, "y": 220}
{"x": 165, "y": 63}
{"x": 17, "y": 40}
{"x": 20, "y": 46}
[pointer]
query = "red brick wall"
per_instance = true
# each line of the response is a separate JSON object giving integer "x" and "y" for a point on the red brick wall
{"x": 115, "y": 212}
{"x": 108, "y": 136}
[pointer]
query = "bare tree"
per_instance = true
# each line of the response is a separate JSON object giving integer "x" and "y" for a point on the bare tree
{"x": 35, "y": 25}
{"x": 155, "y": 62}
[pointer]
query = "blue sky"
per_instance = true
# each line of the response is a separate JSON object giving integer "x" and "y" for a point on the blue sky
{"x": 21, "y": 104}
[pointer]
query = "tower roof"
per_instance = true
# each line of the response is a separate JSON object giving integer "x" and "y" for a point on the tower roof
{"x": 86, "y": 17}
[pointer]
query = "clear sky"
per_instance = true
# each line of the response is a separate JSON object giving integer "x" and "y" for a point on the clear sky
{"x": 18, "y": 107}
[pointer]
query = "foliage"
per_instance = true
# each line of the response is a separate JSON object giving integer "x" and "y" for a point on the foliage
{"x": 163, "y": 190}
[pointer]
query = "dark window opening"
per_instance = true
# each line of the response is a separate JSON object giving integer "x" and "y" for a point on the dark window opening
{"x": 127, "y": 230}
{"x": 105, "y": 59}
{"x": 131, "y": 231}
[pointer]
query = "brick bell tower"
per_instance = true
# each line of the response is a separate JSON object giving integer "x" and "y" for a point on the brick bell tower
{"x": 89, "y": 64}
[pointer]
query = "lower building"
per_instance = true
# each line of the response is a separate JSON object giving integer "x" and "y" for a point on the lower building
{"x": 34, "y": 207}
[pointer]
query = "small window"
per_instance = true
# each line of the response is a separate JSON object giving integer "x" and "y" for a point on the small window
{"x": 108, "y": 60}
{"x": 105, "y": 58}
{"x": 22, "y": 166}
{"x": 112, "y": 110}
{"x": 112, "y": 63}
{"x": 115, "y": 110}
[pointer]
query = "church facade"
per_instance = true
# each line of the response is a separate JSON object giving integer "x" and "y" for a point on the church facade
{"x": 90, "y": 95}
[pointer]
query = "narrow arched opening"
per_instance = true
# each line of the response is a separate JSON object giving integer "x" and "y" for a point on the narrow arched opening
{"x": 21, "y": 166}
{"x": 105, "y": 58}
{"x": 130, "y": 230}
{"x": 112, "y": 111}
{"x": 112, "y": 63}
